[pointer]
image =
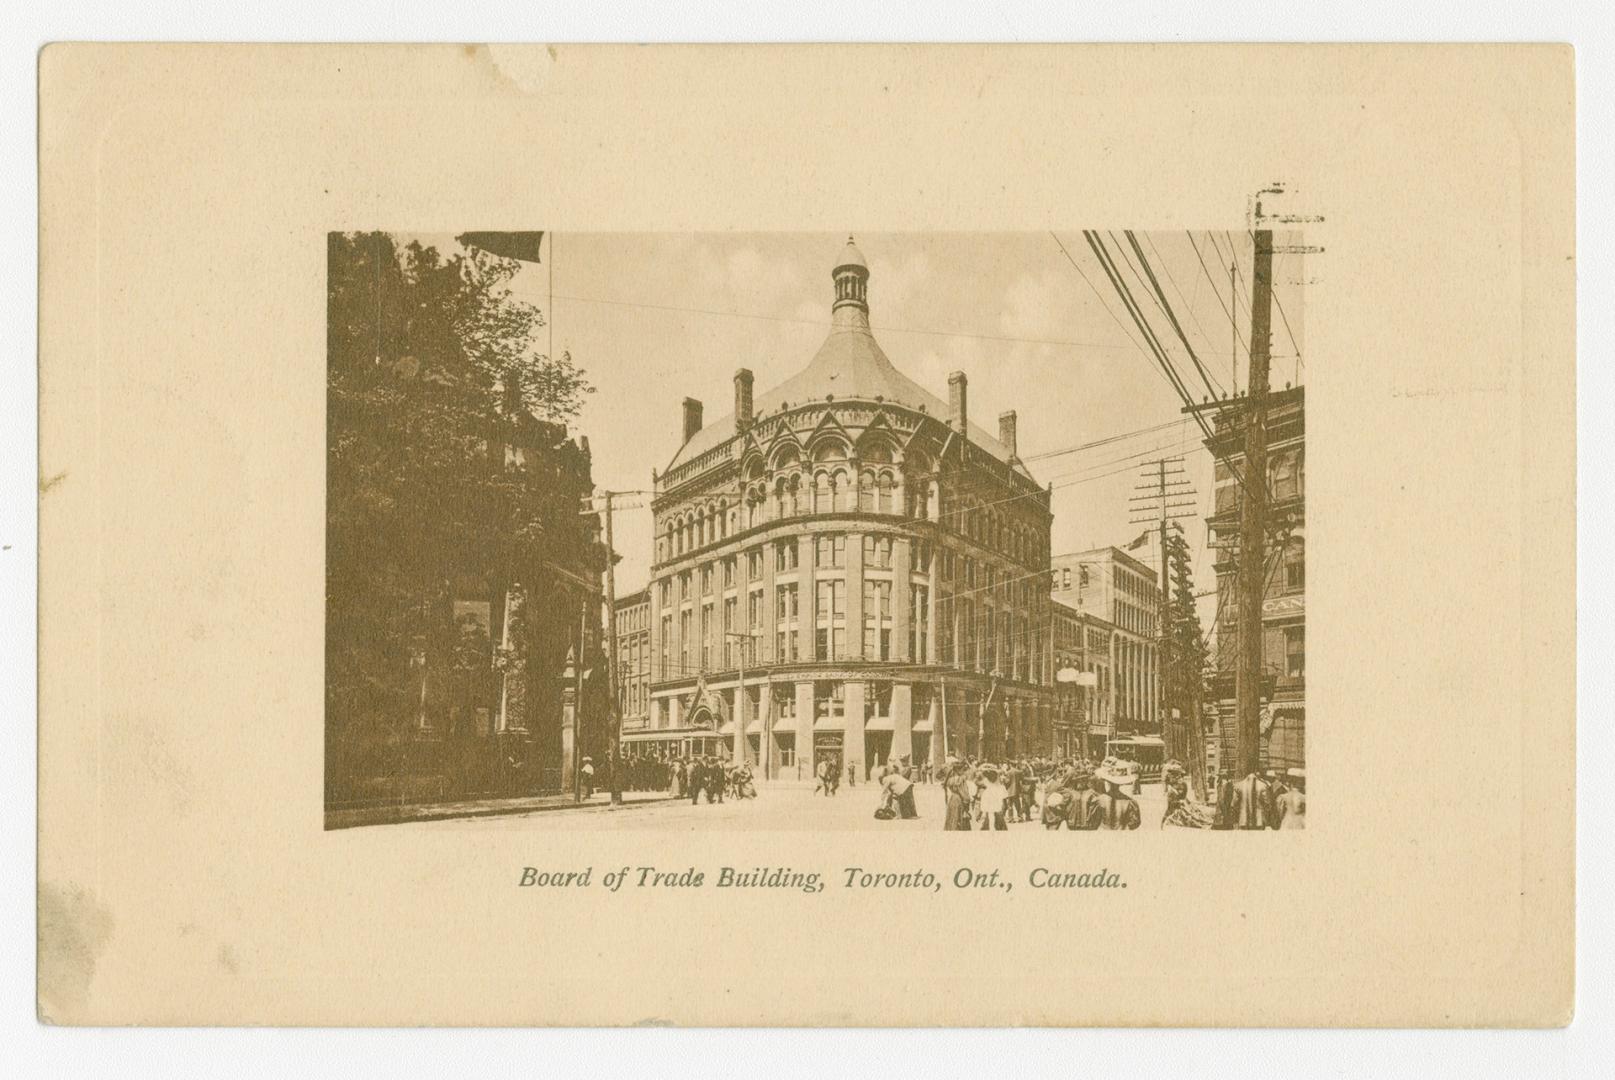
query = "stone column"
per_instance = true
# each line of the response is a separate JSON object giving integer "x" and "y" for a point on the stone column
{"x": 901, "y": 592}
{"x": 769, "y": 618}
{"x": 931, "y": 656}
{"x": 938, "y": 750}
{"x": 855, "y": 598}
{"x": 902, "y": 721}
{"x": 852, "y": 745}
{"x": 763, "y": 724}
{"x": 805, "y": 589}
{"x": 804, "y": 727}
{"x": 569, "y": 724}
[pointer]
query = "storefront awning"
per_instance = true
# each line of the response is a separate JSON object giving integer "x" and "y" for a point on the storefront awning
{"x": 925, "y": 726}
{"x": 830, "y": 723}
{"x": 878, "y": 723}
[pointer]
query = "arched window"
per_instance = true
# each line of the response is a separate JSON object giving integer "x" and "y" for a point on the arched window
{"x": 841, "y": 490}
{"x": 866, "y": 492}
{"x": 821, "y": 493}
{"x": 796, "y": 494}
{"x": 780, "y": 507}
{"x": 883, "y": 493}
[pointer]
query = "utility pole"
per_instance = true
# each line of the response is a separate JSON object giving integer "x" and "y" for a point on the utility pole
{"x": 614, "y": 718}
{"x": 1233, "y": 306}
{"x": 1253, "y": 514}
{"x": 614, "y": 721}
{"x": 738, "y": 750}
{"x": 1169, "y": 496}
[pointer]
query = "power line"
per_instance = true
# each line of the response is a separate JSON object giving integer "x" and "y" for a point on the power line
{"x": 824, "y": 324}
{"x": 1166, "y": 309}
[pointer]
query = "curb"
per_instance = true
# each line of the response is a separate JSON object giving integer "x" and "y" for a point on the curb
{"x": 497, "y": 811}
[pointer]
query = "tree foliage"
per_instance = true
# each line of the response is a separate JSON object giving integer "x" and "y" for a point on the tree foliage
{"x": 431, "y": 374}
{"x": 1185, "y": 657}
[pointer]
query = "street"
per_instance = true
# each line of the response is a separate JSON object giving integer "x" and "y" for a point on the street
{"x": 783, "y": 805}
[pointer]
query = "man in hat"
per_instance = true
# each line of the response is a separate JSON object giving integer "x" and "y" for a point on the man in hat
{"x": 697, "y": 779}
{"x": 1115, "y": 808}
{"x": 1249, "y": 804}
{"x": 1292, "y": 805}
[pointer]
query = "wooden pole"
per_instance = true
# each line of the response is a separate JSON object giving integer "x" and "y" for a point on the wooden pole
{"x": 1253, "y": 516}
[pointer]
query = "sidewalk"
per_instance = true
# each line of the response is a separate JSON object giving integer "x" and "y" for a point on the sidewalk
{"x": 532, "y": 804}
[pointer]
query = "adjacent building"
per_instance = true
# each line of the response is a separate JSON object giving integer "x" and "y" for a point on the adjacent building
{"x": 1083, "y": 642}
{"x": 633, "y": 659}
{"x": 1119, "y": 597}
{"x": 846, "y": 568}
{"x": 1283, "y": 711}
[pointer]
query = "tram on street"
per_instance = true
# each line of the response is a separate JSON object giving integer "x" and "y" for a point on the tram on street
{"x": 1148, "y": 752}
{"x": 663, "y": 745}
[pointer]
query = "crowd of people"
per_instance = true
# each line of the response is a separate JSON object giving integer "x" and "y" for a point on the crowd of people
{"x": 713, "y": 777}
{"x": 1072, "y": 793}
{"x": 1079, "y": 793}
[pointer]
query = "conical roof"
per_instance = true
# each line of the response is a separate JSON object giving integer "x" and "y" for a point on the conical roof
{"x": 849, "y": 365}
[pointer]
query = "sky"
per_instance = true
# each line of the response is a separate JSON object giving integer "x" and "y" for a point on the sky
{"x": 654, "y": 318}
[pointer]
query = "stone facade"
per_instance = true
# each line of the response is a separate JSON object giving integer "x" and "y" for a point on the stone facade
{"x": 1121, "y": 597}
{"x": 867, "y": 563}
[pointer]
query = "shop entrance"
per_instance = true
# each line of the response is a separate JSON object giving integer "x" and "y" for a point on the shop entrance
{"x": 877, "y": 750}
{"x": 827, "y": 746}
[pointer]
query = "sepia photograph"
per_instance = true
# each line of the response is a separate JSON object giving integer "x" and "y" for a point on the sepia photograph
{"x": 960, "y": 531}
{"x": 569, "y": 536}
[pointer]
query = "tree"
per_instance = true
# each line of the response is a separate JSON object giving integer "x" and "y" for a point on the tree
{"x": 431, "y": 373}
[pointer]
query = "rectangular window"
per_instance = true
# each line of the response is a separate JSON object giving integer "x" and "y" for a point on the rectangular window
{"x": 878, "y": 552}
{"x": 684, "y": 642}
{"x": 731, "y": 646}
{"x": 1295, "y": 652}
{"x": 919, "y": 619}
{"x": 1295, "y": 573}
{"x": 785, "y": 624}
{"x": 829, "y": 699}
{"x": 830, "y": 551}
{"x": 922, "y": 557}
{"x": 706, "y": 580}
{"x": 754, "y": 610}
{"x": 728, "y": 571}
{"x": 706, "y": 636}
{"x": 667, "y": 645}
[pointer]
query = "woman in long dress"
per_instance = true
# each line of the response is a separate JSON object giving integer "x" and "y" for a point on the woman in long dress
{"x": 955, "y": 789}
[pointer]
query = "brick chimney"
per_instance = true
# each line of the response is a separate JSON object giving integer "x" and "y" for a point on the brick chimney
{"x": 958, "y": 413}
{"x": 1006, "y": 432}
{"x": 692, "y": 418}
{"x": 742, "y": 400}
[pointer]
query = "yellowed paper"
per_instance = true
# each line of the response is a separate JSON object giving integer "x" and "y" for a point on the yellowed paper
{"x": 187, "y": 873}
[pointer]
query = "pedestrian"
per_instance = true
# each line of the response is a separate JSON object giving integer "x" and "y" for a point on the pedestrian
{"x": 1292, "y": 805}
{"x": 1117, "y": 810}
{"x": 994, "y": 798}
{"x": 832, "y": 776}
{"x": 697, "y": 780}
{"x": 852, "y": 778}
{"x": 955, "y": 792}
{"x": 821, "y": 781}
{"x": 717, "y": 778}
{"x": 899, "y": 793}
{"x": 586, "y": 777}
{"x": 1248, "y": 804}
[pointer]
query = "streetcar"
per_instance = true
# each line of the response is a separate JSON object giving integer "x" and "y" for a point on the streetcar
{"x": 1146, "y": 752}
